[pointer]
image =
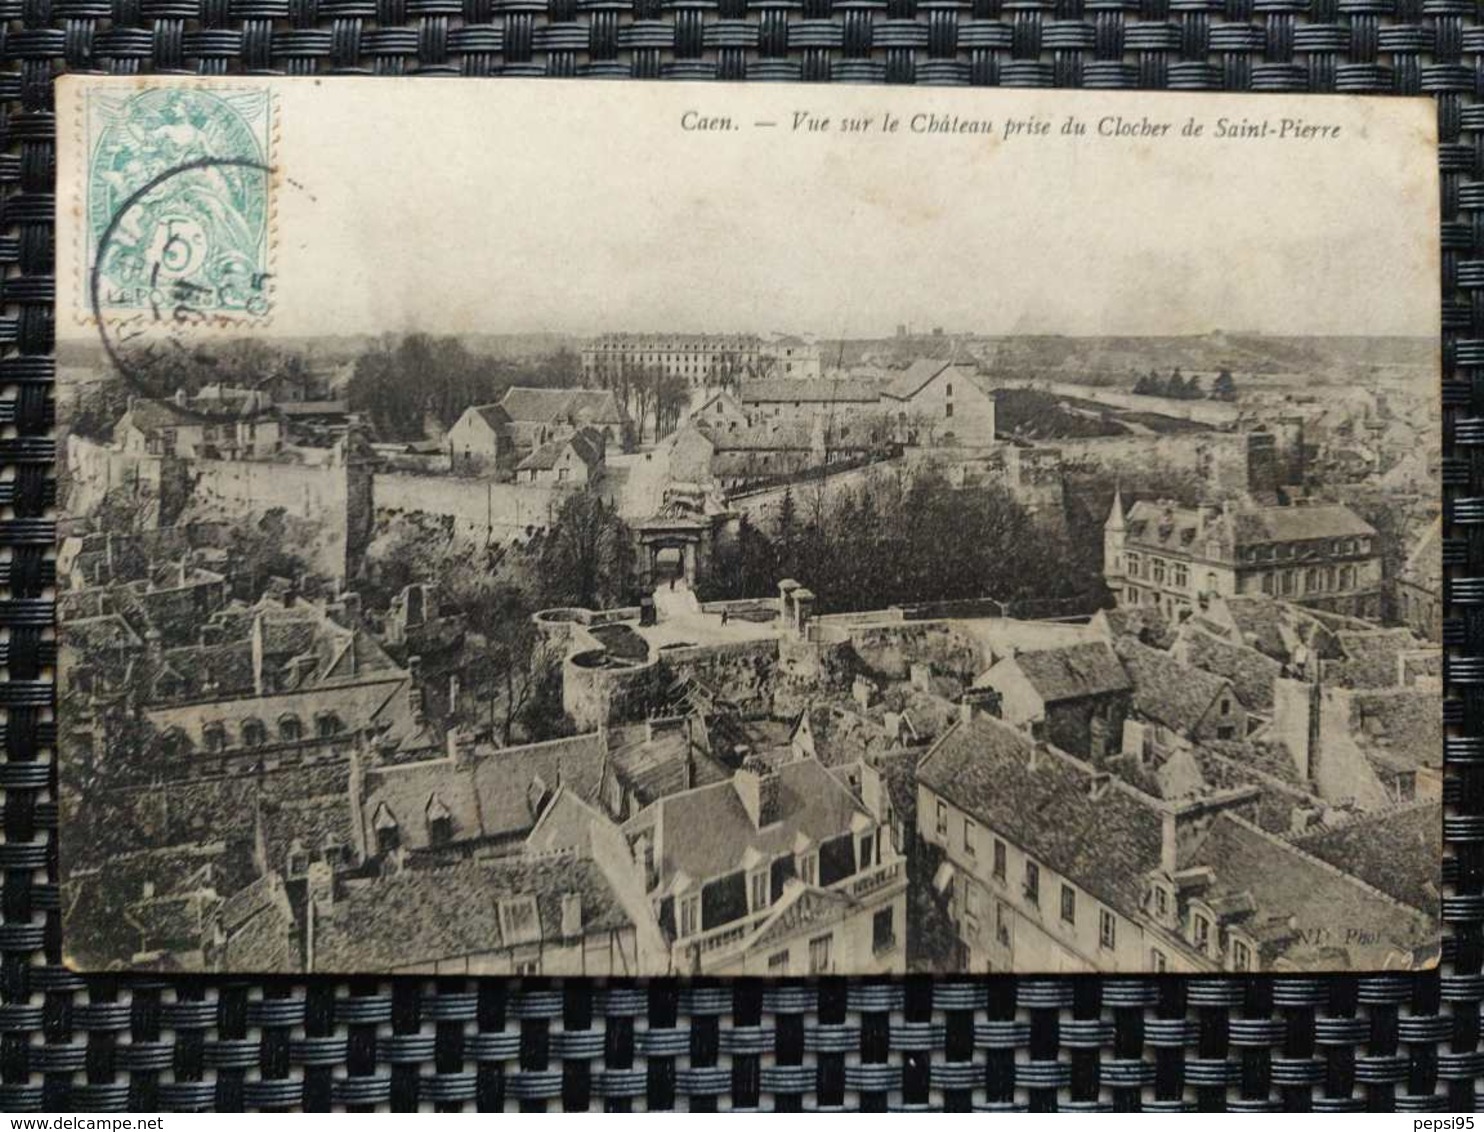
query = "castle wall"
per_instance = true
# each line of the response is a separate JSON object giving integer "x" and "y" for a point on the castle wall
{"x": 481, "y": 510}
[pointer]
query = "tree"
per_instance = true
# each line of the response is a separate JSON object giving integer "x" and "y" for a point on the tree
{"x": 407, "y": 385}
{"x": 1175, "y": 387}
{"x": 1193, "y": 388}
{"x": 587, "y": 558}
{"x": 1224, "y": 388}
{"x": 1141, "y": 386}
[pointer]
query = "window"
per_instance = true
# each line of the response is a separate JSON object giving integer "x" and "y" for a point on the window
{"x": 214, "y": 737}
{"x": 1347, "y": 577}
{"x": 759, "y": 890}
{"x": 290, "y": 730}
{"x": 1286, "y": 583}
{"x": 1068, "y": 904}
{"x": 518, "y": 920}
{"x": 1226, "y": 707}
{"x": 948, "y": 389}
{"x": 819, "y": 954}
{"x": 942, "y": 824}
{"x": 1107, "y": 929}
{"x": 969, "y": 832}
{"x": 778, "y": 963}
{"x": 1157, "y": 961}
{"x": 868, "y": 854}
{"x": 528, "y": 968}
{"x": 254, "y": 734}
{"x": 999, "y": 859}
{"x": 1182, "y": 575}
{"x": 1032, "y": 882}
{"x": 948, "y": 409}
{"x": 883, "y": 931}
{"x": 1226, "y": 732}
{"x": 807, "y": 868}
{"x": 690, "y": 915}
{"x": 1134, "y": 565}
{"x": 1241, "y": 956}
{"x": 1201, "y": 931}
{"x": 1267, "y": 582}
{"x": 1157, "y": 567}
{"x": 327, "y": 724}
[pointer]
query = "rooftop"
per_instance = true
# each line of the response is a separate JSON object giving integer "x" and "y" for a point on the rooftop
{"x": 419, "y": 917}
{"x": 1042, "y": 801}
{"x": 1071, "y": 672}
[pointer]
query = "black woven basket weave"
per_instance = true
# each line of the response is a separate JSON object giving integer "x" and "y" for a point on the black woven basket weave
{"x": 1391, "y": 1042}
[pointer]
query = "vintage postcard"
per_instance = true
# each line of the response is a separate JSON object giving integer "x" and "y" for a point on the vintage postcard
{"x": 551, "y": 528}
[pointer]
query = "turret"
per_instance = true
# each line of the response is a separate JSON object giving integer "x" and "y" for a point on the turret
{"x": 1113, "y": 534}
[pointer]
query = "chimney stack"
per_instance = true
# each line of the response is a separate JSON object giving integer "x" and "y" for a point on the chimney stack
{"x": 758, "y": 787}
{"x": 453, "y": 695}
{"x": 571, "y": 915}
{"x": 978, "y": 701}
{"x": 414, "y": 690}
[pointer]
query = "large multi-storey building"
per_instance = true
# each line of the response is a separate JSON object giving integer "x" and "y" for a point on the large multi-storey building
{"x": 779, "y": 870}
{"x": 1160, "y": 554}
{"x": 701, "y": 359}
{"x": 1047, "y": 864}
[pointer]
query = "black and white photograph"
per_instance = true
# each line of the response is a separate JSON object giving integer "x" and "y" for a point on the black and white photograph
{"x": 723, "y": 530}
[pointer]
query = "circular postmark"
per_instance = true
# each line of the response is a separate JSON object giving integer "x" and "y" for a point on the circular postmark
{"x": 186, "y": 290}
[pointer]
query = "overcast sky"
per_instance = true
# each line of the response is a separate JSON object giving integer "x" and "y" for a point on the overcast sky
{"x": 510, "y": 206}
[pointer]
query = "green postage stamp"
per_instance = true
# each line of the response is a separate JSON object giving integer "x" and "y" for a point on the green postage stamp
{"x": 179, "y": 208}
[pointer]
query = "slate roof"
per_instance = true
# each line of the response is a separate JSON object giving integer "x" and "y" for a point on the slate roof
{"x": 1398, "y": 851}
{"x": 1288, "y": 892}
{"x": 704, "y": 832}
{"x": 1106, "y": 844}
{"x": 788, "y": 390}
{"x": 1399, "y": 729}
{"x": 420, "y": 916}
{"x": 1372, "y": 658}
{"x": 260, "y": 929}
{"x": 909, "y": 381}
{"x": 1161, "y": 525}
{"x": 1166, "y": 691}
{"x": 1424, "y": 566}
{"x": 770, "y": 436}
{"x": 544, "y": 406}
{"x": 1073, "y": 672}
{"x": 1146, "y": 622}
{"x": 491, "y": 795}
{"x": 587, "y": 444}
{"x": 1251, "y": 672}
{"x": 493, "y": 415}
{"x": 655, "y": 767}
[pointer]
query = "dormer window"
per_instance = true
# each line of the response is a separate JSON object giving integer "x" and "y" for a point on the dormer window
{"x": 290, "y": 730}
{"x": 388, "y": 833}
{"x": 519, "y": 922}
{"x": 1241, "y": 956}
{"x": 690, "y": 915}
{"x": 440, "y": 823}
{"x": 1200, "y": 932}
{"x": 759, "y": 894}
{"x": 214, "y": 737}
{"x": 327, "y": 724}
{"x": 254, "y": 734}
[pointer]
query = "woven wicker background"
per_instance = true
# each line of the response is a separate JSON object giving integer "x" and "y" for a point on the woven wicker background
{"x": 1392, "y": 1042}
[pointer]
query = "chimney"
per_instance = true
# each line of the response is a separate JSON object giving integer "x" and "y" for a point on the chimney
{"x": 758, "y": 787}
{"x": 978, "y": 701}
{"x": 453, "y": 695}
{"x": 182, "y": 398}
{"x": 571, "y": 915}
{"x": 1038, "y": 754}
{"x": 1097, "y": 784}
{"x": 922, "y": 676}
{"x": 414, "y": 690}
{"x": 863, "y": 692}
{"x": 892, "y": 722}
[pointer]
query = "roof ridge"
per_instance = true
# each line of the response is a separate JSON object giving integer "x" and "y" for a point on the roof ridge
{"x": 1365, "y": 817}
{"x": 1351, "y": 878}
